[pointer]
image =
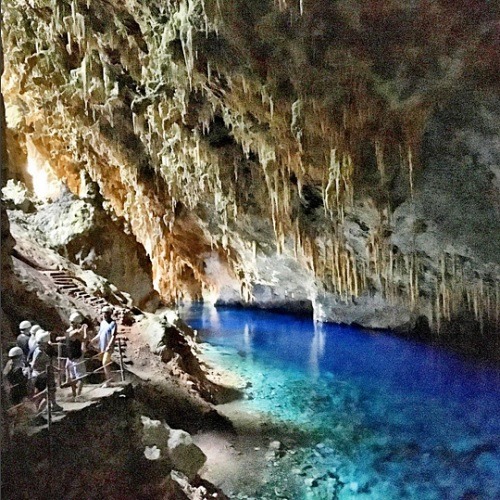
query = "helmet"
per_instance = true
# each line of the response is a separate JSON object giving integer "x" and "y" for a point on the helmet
{"x": 76, "y": 318}
{"x": 42, "y": 337}
{"x": 24, "y": 325}
{"x": 15, "y": 352}
{"x": 35, "y": 329}
{"x": 107, "y": 309}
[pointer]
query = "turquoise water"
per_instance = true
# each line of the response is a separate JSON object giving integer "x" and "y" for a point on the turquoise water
{"x": 383, "y": 417}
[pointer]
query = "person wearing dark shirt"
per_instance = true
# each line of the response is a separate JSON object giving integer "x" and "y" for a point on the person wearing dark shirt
{"x": 23, "y": 337}
{"x": 76, "y": 341}
{"x": 16, "y": 374}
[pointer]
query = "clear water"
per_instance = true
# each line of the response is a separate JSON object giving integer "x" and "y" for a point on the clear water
{"x": 385, "y": 418}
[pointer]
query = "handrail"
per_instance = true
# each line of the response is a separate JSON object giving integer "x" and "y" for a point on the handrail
{"x": 118, "y": 337}
{"x": 68, "y": 384}
{"x": 30, "y": 377}
{"x": 35, "y": 397}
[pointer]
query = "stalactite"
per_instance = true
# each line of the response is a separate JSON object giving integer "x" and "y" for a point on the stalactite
{"x": 282, "y": 135}
{"x": 379, "y": 155}
{"x": 296, "y": 123}
{"x": 410, "y": 171}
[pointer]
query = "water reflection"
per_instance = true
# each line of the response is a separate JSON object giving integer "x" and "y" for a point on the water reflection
{"x": 396, "y": 419}
{"x": 317, "y": 350}
{"x": 247, "y": 339}
{"x": 210, "y": 317}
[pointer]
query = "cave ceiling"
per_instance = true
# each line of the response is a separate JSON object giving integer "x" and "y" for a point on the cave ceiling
{"x": 260, "y": 133}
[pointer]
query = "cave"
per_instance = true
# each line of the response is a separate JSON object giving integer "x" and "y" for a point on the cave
{"x": 292, "y": 209}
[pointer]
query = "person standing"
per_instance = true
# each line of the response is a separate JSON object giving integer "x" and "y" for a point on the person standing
{"x": 76, "y": 341}
{"x": 32, "y": 343}
{"x": 16, "y": 373}
{"x": 24, "y": 337}
{"x": 107, "y": 337}
{"x": 42, "y": 372}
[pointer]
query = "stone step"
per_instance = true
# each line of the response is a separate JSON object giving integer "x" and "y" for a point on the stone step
{"x": 66, "y": 287}
{"x": 57, "y": 273}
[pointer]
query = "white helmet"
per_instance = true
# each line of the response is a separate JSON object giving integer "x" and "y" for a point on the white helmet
{"x": 15, "y": 352}
{"x": 34, "y": 329}
{"x": 24, "y": 325}
{"x": 42, "y": 337}
{"x": 76, "y": 318}
{"x": 107, "y": 309}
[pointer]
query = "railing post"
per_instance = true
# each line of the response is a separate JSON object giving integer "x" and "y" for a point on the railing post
{"x": 59, "y": 356}
{"x": 50, "y": 395}
{"x": 50, "y": 374}
{"x": 122, "y": 374}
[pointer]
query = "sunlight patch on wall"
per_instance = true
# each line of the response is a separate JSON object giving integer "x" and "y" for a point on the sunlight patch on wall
{"x": 45, "y": 184}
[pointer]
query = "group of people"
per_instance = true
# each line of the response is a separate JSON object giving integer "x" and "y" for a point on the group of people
{"x": 29, "y": 370}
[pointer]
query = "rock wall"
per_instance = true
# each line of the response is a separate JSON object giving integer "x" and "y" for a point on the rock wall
{"x": 80, "y": 230}
{"x": 338, "y": 156}
{"x": 99, "y": 452}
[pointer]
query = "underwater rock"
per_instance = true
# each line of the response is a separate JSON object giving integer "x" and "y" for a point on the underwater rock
{"x": 354, "y": 487}
{"x": 275, "y": 445}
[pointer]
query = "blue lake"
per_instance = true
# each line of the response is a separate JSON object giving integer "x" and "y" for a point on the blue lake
{"x": 385, "y": 418}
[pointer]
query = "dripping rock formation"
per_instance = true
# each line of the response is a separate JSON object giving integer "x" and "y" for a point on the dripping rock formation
{"x": 335, "y": 158}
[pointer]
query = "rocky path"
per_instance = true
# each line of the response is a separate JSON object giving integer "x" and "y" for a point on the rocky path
{"x": 64, "y": 283}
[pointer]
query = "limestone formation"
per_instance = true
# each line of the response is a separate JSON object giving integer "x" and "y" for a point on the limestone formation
{"x": 174, "y": 444}
{"x": 185, "y": 455}
{"x": 338, "y": 157}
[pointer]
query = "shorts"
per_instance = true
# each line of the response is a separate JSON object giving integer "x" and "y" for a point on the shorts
{"x": 76, "y": 368}
{"x": 41, "y": 382}
{"x": 18, "y": 393}
{"x": 106, "y": 358}
{"x": 44, "y": 381}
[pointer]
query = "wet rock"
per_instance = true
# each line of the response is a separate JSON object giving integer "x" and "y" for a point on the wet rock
{"x": 176, "y": 444}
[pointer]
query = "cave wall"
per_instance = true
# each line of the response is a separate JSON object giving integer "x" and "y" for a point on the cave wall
{"x": 99, "y": 452}
{"x": 338, "y": 156}
{"x": 80, "y": 230}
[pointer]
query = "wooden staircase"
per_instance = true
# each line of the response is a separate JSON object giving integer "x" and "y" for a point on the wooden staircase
{"x": 68, "y": 285}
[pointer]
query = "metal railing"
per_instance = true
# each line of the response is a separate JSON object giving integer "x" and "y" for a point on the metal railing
{"x": 34, "y": 398}
{"x": 60, "y": 358}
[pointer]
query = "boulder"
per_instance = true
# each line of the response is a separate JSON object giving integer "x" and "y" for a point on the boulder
{"x": 174, "y": 444}
{"x": 155, "y": 433}
{"x": 185, "y": 455}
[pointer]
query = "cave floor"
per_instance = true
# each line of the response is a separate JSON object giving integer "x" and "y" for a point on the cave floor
{"x": 91, "y": 394}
